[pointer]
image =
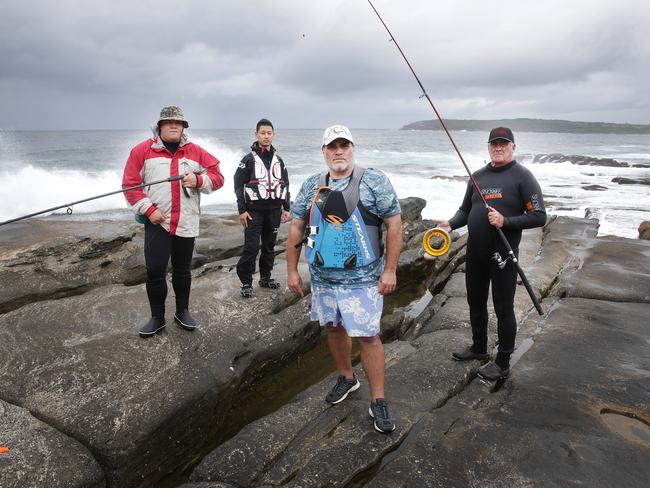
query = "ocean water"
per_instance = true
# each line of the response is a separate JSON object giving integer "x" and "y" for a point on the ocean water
{"x": 42, "y": 169}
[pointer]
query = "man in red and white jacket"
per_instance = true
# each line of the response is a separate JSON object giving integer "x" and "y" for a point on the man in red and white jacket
{"x": 170, "y": 210}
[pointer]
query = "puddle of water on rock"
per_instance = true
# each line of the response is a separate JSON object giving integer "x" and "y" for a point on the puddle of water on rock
{"x": 417, "y": 307}
{"x": 523, "y": 347}
{"x": 627, "y": 425}
{"x": 526, "y": 344}
{"x": 412, "y": 288}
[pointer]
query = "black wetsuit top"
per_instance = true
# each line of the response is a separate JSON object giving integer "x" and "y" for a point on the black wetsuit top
{"x": 514, "y": 192}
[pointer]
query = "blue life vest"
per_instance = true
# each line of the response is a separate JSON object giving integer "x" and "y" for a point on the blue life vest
{"x": 341, "y": 232}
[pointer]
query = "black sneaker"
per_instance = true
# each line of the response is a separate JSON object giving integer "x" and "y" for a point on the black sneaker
{"x": 247, "y": 291}
{"x": 185, "y": 320}
{"x": 269, "y": 283}
{"x": 155, "y": 324}
{"x": 340, "y": 390}
{"x": 468, "y": 354}
{"x": 492, "y": 372}
{"x": 384, "y": 422}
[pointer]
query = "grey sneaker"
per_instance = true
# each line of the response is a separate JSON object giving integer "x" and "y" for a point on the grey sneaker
{"x": 340, "y": 390}
{"x": 384, "y": 422}
{"x": 492, "y": 372}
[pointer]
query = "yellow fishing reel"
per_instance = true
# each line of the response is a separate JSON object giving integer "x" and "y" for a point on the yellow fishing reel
{"x": 436, "y": 242}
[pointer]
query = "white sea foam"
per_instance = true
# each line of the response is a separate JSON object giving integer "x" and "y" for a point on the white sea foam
{"x": 29, "y": 189}
{"x": 37, "y": 189}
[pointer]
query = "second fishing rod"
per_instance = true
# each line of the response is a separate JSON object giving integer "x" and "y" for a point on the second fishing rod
{"x": 497, "y": 257}
{"x": 69, "y": 206}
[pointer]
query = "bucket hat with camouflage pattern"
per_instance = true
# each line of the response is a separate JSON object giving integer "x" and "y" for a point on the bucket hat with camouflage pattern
{"x": 172, "y": 113}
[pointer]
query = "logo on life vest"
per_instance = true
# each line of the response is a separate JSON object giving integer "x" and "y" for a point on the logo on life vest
{"x": 336, "y": 220}
{"x": 362, "y": 241}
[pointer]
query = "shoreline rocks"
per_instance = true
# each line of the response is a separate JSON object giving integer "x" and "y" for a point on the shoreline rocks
{"x": 140, "y": 411}
{"x": 309, "y": 443}
{"x": 145, "y": 408}
{"x": 573, "y": 159}
{"x": 631, "y": 181}
{"x": 644, "y": 230}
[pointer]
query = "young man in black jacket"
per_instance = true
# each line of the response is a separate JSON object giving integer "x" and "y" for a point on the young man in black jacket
{"x": 262, "y": 189}
{"x": 516, "y": 203}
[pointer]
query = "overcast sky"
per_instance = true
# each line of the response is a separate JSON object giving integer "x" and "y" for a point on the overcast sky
{"x": 84, "y": 64}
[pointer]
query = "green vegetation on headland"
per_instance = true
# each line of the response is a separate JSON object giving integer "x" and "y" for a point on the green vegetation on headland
{"x": 532, "y": 125}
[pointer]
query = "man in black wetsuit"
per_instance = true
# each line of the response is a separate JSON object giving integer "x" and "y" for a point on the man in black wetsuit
{"x": 516, "y": 203}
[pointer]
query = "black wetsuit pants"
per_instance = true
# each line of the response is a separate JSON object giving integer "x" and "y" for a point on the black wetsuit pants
{"x": 478, "y": 276}
{"x": 158, "y": 247}
{"x": 264, "y": 228}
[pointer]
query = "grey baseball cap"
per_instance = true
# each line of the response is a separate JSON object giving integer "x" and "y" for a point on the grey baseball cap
{"x": 336, "y": 132}
{"x": 172, "y": 113}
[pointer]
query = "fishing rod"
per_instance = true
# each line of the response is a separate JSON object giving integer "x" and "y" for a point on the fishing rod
{"x": 69, "y": 205}
{"x": 511, "y": 255}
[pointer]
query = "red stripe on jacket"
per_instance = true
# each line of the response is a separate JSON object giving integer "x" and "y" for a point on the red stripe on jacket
{"x": 132, "y": 172}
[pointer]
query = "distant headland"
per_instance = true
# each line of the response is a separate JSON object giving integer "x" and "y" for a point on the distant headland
{"x": 532, "y": 125}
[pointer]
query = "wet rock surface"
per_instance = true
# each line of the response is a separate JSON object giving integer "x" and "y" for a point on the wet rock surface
{"x": 544, "y": 427}
{"x": 39, "y": 455}
{"x": 573, "y": 159}
{"x": 148, "y": 407}
{"x": 594, "y": 188}
{"x": 148, "y": 410}
{"x": 541, "y": 427}
{"x": 46, "y": 259}
{"x": 631, "y": 181}
{"x": 644, "y": 230}
{"x": 139, "y": 403}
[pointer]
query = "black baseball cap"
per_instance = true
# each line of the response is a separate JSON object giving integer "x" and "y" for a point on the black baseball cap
{"x": 501, "y": 133}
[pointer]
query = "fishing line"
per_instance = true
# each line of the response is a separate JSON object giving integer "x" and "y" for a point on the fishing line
{"x": 502, "y": 237}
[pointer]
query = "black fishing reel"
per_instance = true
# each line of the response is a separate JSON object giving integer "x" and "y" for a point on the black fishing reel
{"x": 501, "y": 263}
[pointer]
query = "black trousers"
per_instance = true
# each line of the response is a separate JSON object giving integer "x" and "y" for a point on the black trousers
{"x": 478, "y": 276}
{"x": 263, "y": 228}
{"x": 158, "y": 247}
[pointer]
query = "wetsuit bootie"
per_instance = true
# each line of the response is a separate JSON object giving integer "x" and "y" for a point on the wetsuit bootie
{"x": 185, "y": 319}
{"x": 469, "y": 354}
{"x": 154, "y": 325}
{"x": 492, "y": 371}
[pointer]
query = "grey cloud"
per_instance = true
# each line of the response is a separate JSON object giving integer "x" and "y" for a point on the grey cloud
{"x": 113, "y": 64}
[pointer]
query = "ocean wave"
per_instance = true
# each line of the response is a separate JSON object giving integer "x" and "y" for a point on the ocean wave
{"x": 43, "y": 170}
{"x": 37, "y": 189}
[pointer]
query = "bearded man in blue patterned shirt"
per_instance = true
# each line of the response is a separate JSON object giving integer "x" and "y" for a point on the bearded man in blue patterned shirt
{"x": 343, "y": 210}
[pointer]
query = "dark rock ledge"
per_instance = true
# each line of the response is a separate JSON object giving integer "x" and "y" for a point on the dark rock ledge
{"x": 70, "y": 355}
{"x": 130, "y": 412}
{"x": 584, "y": 359}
